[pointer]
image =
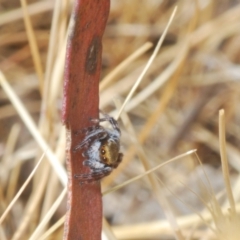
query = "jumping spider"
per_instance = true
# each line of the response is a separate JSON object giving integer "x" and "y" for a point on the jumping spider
{"x": 102, "y": 147}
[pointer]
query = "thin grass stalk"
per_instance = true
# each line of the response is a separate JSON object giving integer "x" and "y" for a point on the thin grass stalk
{"x": 223, "y": 152}
{"x": 33, "y": 45}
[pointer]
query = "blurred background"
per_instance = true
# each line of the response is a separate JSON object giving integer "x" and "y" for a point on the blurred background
{"x": 175, "y": 109}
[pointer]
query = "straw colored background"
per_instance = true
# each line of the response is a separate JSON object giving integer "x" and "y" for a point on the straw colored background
{"x": 175, "y": 109}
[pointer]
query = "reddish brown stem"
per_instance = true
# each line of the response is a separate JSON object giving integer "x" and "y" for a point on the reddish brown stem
{"x": 81, "y": 100}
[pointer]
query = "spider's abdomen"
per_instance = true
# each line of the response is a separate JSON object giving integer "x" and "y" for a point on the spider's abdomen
{"x": 109, "y": 151}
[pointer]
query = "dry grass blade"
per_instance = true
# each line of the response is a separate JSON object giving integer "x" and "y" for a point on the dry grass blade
{"x": 33, "y": 129}
{"x": 172, "y": 71}
{"x": 225, "y": 169}
{"x": 105, "y": 82}
{"x": 165, "y": 117}
{"x": 33, "y": 45}
{"x": 148, "y": 64}
{"x": 156, "y": 228}
{"x": 161, "y": 198}
{"x": 53, "y": 228}
{"x": 48, "y": 216}
{"x": 160, "y": 80}
{"x": 10, "y": 145}
{"x": 2, "y": 234}
{"x": 57, "y": 74}
{"x": 34, "y": 8}
{"x": 56, "y": 56}
{"x": 51, "y": 191}
{"x": 204, "y": 135}
{"x": 20, "y": 190}
{"x": 148, "y": 172}
{"x": 108, "y": 230}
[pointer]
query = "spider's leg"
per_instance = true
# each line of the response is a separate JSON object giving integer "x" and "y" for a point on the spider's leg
{"x": 106, "y": 171}
{"x": 94, "y": 175}
{"x": 85, "y": 154}
{"x": 107, "y": 118}
{"x": 83, "y": 144}
{"x": 85, "y": 177}
{"x": 87, "y": 163}
{"x": 94, "y": 164}
{"x": 99, "y": 133}
{"x": 112, "y": 121}
{"x": 77, "y": 132}
{"x": 86, "y": 130}
{"x": 93, "y": 136}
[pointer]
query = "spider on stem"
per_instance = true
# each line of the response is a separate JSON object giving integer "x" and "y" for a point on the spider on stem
{"x": 102, "y": 146}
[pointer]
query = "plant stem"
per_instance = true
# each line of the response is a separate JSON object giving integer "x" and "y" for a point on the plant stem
{"x": 81, "y": 102}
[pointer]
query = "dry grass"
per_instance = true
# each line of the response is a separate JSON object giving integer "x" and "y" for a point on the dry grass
{"x": 174, "y": 109}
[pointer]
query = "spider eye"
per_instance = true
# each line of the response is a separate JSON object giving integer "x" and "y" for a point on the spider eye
{"x": 104, "y": 158}
{"x": 103, "y": 150}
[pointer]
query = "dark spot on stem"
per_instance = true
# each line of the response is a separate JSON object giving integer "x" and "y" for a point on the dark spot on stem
{"x": 92, "y": 56}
